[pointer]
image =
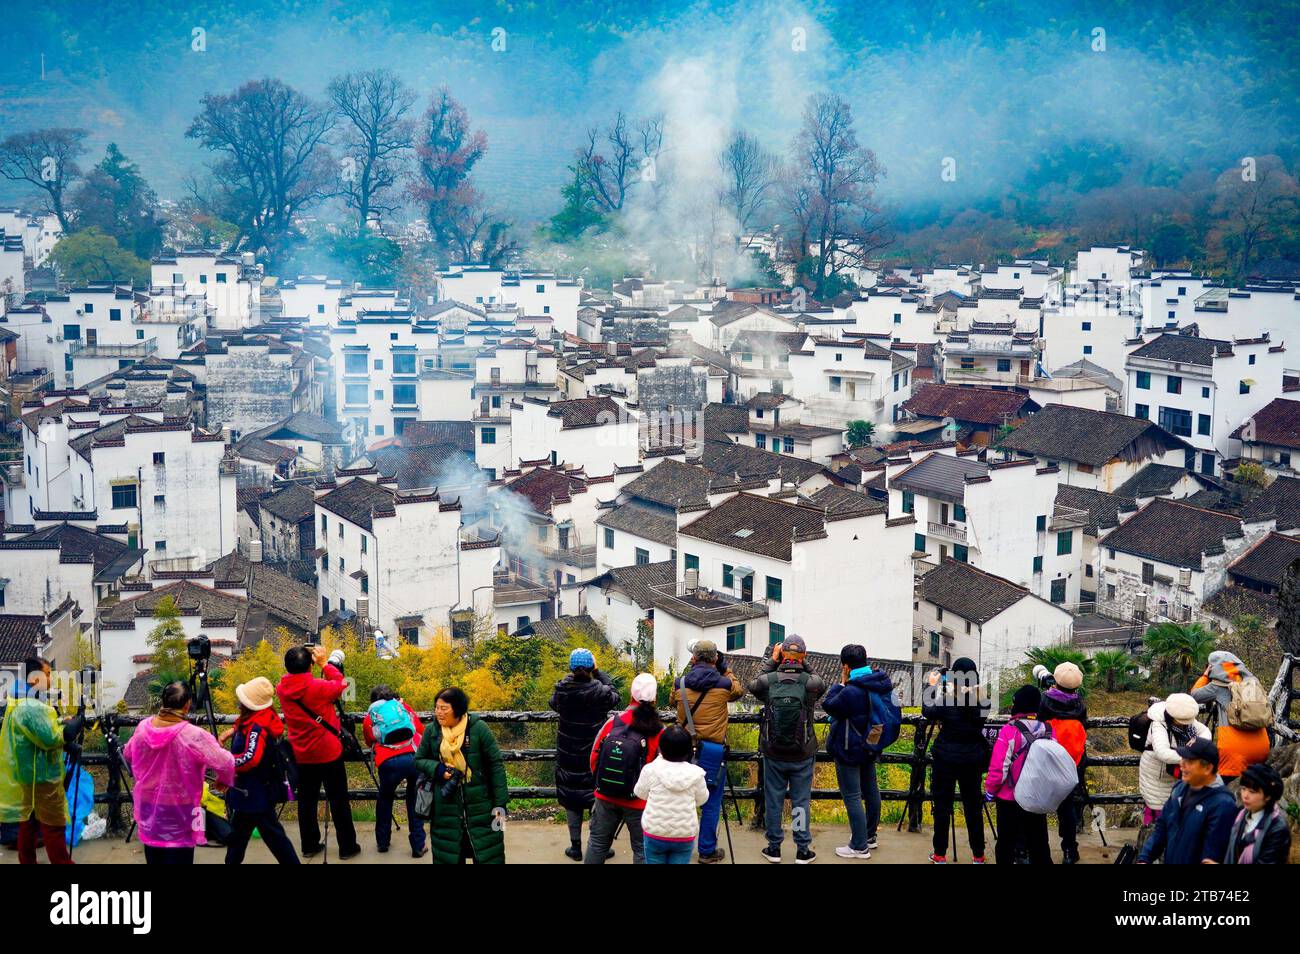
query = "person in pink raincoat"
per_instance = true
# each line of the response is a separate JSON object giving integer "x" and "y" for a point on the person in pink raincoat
{"x": 169, "y": 758}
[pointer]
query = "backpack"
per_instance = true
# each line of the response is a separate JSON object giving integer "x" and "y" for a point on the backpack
{"x": 1071, "y": 734}
{"x": 390, "y": 722}
{"x": 620, "y": 760}
{"x": 886, "y": 722}
{"x": 282, "y": 768}
{"x": 786, "y": 716}
{"x": 1139, "y": 728}
{"x": 1249, "y": 707}
{"x": 1047, "y": 772}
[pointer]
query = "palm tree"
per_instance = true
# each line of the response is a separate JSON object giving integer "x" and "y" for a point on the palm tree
{"x": 1182, "y": 648}
{"x": 1114, "y": 667}
{"x": 1052, "y": 656}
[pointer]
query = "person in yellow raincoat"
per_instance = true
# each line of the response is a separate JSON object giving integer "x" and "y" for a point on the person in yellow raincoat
{"x": 31, "y": 768}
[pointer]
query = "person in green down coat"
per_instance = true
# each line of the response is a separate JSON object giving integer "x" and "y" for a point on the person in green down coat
{"x": 460, "y": 754}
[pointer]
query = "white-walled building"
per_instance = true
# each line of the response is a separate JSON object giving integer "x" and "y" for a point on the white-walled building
{"x": 840, "y": 380}
{"x": 231, "y": 286}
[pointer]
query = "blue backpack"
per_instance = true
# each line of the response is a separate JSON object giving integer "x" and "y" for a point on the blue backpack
{"x": 886, "y": 715}
{"x": 390, "y": 722}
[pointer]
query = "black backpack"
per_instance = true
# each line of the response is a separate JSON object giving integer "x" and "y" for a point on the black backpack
{"x": 786, "y": 715}
{"x": 620, "y": 760}
{"x": 1139, "y": 727}
{"x": 282, "y": 768}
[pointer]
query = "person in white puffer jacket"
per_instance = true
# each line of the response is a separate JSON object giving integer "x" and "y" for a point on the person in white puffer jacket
{"x": 673, "y": 788}
{"x": 1175, "y": 717}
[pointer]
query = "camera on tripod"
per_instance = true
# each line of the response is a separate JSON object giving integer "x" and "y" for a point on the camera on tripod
{"x": 199, "y": 648}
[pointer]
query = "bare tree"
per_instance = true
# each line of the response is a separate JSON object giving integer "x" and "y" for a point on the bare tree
{"x": 272, "y": 160}
{"x": 1253, "y": 200}
{"x": 748, "y": 175}
{"x": 615, "y": 159}
{"x": 46, "y": 158}
{"x": 446, "y": 152}
{"x": 376, "y": 138}
{"x": 836, "y": 179}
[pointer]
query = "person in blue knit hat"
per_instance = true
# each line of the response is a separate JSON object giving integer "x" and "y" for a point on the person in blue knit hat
{"x": 584, "y": 699}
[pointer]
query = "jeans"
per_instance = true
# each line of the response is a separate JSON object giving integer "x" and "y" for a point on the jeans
{"x": 392, "y": 772}
{"x": 711, "y": 812}
{"x": 943, "y": 783}
{"x": 242, "y": 825}
{"x": 605, "y": 818}
{"x": 56, "y": 845}
{"x": 1067, "y": 823}
{"x": 168, "y": 856}
{"x": 1017, "y": 826}
{"x": 794, "y": 778}
{"x": 857, "y": 781}
{"x": 660, "y": 851}
{"x": 334, "y": 777}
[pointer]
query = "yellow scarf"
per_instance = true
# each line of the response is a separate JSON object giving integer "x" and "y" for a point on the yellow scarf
{"x": 453, "y": 740}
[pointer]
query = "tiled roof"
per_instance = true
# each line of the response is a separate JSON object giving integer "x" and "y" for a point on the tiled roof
{"x": 723, "y": 419}
{"x": 311, "y": 427}
{"x": 1153, "y": 480}
{"x": 1173, "y": 533}
{"x": 586, "y": 412}
{"x": 19, "y": 637}
{"x": 842, "y": 502}
{"x": 560, "y": 629}
{"x": 639, "y": 581}
{"x": 975, "y": 405}
{"x": 457, "y": 433}
{"x": 758, "y": 525}
{"x": 1081, "y": 435}
{"x": 939, "y": 475}
{"x": 356, "y": 500}
{"x": 108, "y": 432}
{"x": 78, "y": 543}
{"x": 728, "y": 460}
{"x": 189, "y": 596}
{"x": 644, "y": 520}
{"x": 1184, "y": 349}
{"x": 427, "y": 465}
{"x": 1279, "y": 500}
{"x": 970, "y": 593}
{"x": 1277, "y": 423}
{"x": 267, "y": 452}
{"x": 294, "y": 503}
{"x": 546, "y": 486}
{"x": 1234, "y": 601}
{"x": 672, "y": 483}
{"x": 1103, "y": 509}
{"x": 1266, "y": 562}
{"x": 274, "y": 598}
{"x": 766, "y": 400}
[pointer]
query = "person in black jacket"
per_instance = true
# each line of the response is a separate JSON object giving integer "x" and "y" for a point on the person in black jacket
{"x": 584, "y": 699}
{"x": 960, "y": 753}
{"x": 1196, "y": 823}
{"x": 1261, "y": 833}
{"x": 848, "y": 703}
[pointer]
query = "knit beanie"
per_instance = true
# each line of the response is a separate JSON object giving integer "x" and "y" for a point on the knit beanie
{"x": 1026, "y": 700}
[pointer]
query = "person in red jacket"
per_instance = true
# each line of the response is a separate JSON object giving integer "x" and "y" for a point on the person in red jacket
{"x": 252, "y": 799}
{"x": 634, "y": 730}
{"x": 394, "y": 764}
{"x": 316, "y": 736}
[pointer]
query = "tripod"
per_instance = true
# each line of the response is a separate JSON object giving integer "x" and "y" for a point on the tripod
{"x": 202, "y": 694}
{"x": 916, "y": 789}
{"x": 108, "y": 726}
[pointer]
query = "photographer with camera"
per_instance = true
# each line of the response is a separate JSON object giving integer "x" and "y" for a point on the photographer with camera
{"x": 1062, "y": 707}
{"x": 169, "y": 756}
{"x": 460, "y": 756}
{"x": 953, "y": 699}
{"x": 701, "y": 697}
{"x": 583, "y": 699}
{"x": 31, "y": 766}
{"x": 315, "y": 732}
{"x": 789, "y": 691}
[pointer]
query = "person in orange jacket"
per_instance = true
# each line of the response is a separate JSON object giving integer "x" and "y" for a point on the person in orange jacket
{"x": 1238, "y": 747}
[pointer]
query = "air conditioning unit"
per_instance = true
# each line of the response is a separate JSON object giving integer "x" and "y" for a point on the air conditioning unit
{"x": 254, "y": 551}
{"x": 363, "y": 607}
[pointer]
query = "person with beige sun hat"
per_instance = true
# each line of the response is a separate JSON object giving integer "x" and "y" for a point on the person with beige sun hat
{"x": 259, "y": 785}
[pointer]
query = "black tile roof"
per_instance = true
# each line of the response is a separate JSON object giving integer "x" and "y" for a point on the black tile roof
{"x": 1276, "y": 423}
{"x": 842, "y": 502}
{"x": 1183, "y": 349}
{"x": 1103, "y": 509}
{"x": 972, "y": 594}
{"x": 1081, "y": 435}
{"x": 294, "y": 503}
{"x": 1173, "y": 533}
{"x": 673, "y": 484}
{"x": 942, "y": 476}
{"x": 639, "y": 581}
{"x": 1153, "y": 480}
{"x": 759, "y": 525}
{"x": 356, "y": 500}
{"x": 647, "y": 520}
{"x": 19, "y": 637}
{"x": 457, "y": 433}
{"x": 738, "y": 460}
{"x": 1266, "y": 562}
{"x": 426, "y": 465}
{"x": 586, "y": 412}
{"x": 78, "y": 543}
{"x": 1279, "y": 500}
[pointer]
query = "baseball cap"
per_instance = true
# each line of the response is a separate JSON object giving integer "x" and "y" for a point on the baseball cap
{"x": 645, "y": 688}
{"x": 1201, "y": 749}
{"x": 794, "y": 644}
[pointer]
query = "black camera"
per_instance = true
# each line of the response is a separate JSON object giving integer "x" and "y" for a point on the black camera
{"x": 199, "y": 648}
{"x": 1043, "y": 676}
{"x": 451, "y": 783}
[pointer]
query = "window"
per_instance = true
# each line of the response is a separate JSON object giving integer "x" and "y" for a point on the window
{"x": 124, "y": 496}
{"x": 774, "y": 589}
{"x": 404, "y": 394}
{"x": 1087, "y": 326}
{"x": 839, "y": 356}
{"x": 1205, "y": 393}
{"x": 521, "y": 622}
{"x": 1142, "y": 411}
{"x": 1087, "y": 349}
{"x": 489, "y": 435}
{"x": 160, "y": 501}
{"x": 789, "y": 445}
{"x": 760, "y": 441}
{"x": 324, "y": 524}
{"x": 404, "y": 364}
{"x": 203, "y": 279}
{"x": 139, "y": 336}
{"x": 354, "y": 363}
{"x": 835, "y": 384}
{"x": 728, "y": 579}
{"x": 541, "y": 289}
{"x": 1251, "y": 360}
{"x": 642, "y": 556}
{"x": 735, "y": 637}
{"x": 1243, "y": 388}
{"x": 379, "y": 394}
{"x": 340, "y": 529}
{"x": 1148, "y": 573}
{"x": 541, "y": 534}
{"x": 355, "y": 395}
{"x": 365, "y": 584}
{"x": 379, "y": 364}
{"x": 1182, "y": 289}
{"x": 325, "y": 605}
{"x": 1176, "y": 421}
{"x": 918, "y": 542}
{"x": 159, "y": 459}
{"x": 691, "y": 562}
{"x": 1174, "y": 384}
{"x": 1202, "y": 424}
{"x": 609, "y": 539}
{"x": 72, "y": 332}
{"x": 325, "y": 563}
{"x": 1144, "y": 380}
{"x": 1284, "y": 458}
{"x": 1004, "y": 364}
{"x": 1058, "y": 591}
{"x": 364, "y": 541}
{"x": 775, "y": 633}
{"x": 898, "y": 318}
{"x": 1064, "y": 542}
{"x": 1040, "y": 523}
{"x": 115, "y": 314}
{"x": 934, "y": 643}
{"x": 1038, "y": 564}
{"x": 960, "y": 553}
{"x": 909, "y": 502}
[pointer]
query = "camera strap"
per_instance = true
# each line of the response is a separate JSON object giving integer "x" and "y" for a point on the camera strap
{"x": 320, "y": 721}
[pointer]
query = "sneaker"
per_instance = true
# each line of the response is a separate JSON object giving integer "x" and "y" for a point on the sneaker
{"x": 978, "y": 861}
{"x": 872, "y": 843}
{"x": 714, "y": 858}
{"x": 845, "y": 851}
{"x": 772, "y": 854}
{"x": 312, "y": 852}
{"x": 1070, "y": 857}
{"x": 346, "y": 853}
{"x": 573, "y": 853}
{"x": 938, "y": 859}
{"x": 420, "y": 852}
{"x": 805, "y": 856}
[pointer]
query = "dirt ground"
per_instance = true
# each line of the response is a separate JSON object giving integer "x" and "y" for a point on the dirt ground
{"x": 543, "y": 842}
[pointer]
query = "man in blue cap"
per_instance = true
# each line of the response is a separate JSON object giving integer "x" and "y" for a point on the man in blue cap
{"x": 1196, "y": 823}
{"x": 584, "y": 699}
